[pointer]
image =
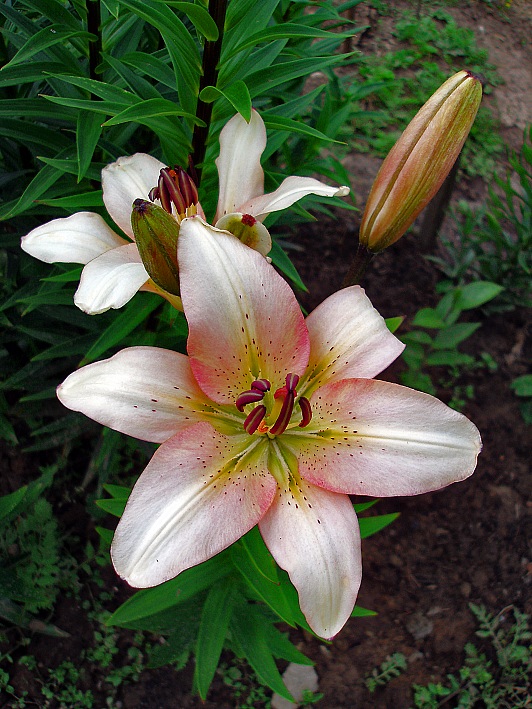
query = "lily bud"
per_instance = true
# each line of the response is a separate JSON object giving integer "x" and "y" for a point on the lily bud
{"x": 156, "y": 233}
{"x": 249, "y": 230}
{"x": 420, "y": 161}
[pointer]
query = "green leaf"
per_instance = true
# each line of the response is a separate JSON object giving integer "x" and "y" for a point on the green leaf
{"x": 133, "y": 314}
{"x": 361, "y": 506}
{"x": 417, "y": 336}
{"x": 237, "y": 94}
{"x": 522, "y": 386}
{"x": 449, "y": 358}
{"x": 359, "y": 612}
{"x": 112, "y": 507}
{"x": 42, "y": 181}
{"x": 9, "y": 502}
{"x": 451, "y": 336}
{"x": 256, "y": 565}
{"x": 27, "y": 73}
{"x": 259, "y": 82}
{"x": 283, "y": 263}
{"x": 199, "y": 17}
{"x": 151, "y": 108}
{"x": 372, "y": 525}
{"x": 212, "y": 633}
{"x": 476, "y": 294}
{"x": 419, "y": 381}
{"x": 287, "y": 124}
{"x": 428, "y": 317}
{"x": 171, "y": 593}
{"x": 88, "y": 131}
{"x": 120, "y": 492}
{"x": 393, "y": 324}
{"x": 247, "y": 624}
{"x": 287, "y": 30}
{"x": 281, "y": 646}
{"x": 45, "y": 38}
{"x": 75, "y": 202}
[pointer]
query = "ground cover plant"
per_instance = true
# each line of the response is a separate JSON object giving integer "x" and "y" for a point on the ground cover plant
{"x": 40, "y": 350}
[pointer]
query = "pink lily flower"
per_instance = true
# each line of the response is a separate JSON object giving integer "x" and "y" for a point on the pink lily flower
{"x": 114, "y": 270}
{"x": 271, "y": 419}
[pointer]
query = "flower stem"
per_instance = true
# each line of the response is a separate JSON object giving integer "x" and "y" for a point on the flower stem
{"x": 211, "y": 57}
{"x": 358, "y": 267}
{"x": 93, "y": 26}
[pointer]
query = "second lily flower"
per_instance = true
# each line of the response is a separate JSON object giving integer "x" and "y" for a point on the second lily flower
{"x": 114, "y": 270}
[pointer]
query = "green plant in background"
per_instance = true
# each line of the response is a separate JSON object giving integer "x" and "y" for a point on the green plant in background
{"x": 392, "y": 667}
{"x": 499, "y": 683}
{"x": 522, "y": 387}
{"x": 495, "y": 241}
{"x": 441, "y": 349}
{"x": 430, "y": 45}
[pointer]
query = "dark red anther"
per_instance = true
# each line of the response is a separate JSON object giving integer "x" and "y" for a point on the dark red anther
{"x": 187, "y": 187}
{"x": 249, "y": 397}
{"x": 253, "y": 419}
{"x": 286, "y": 414}
{"x": 261, "y": 385}
{"x": 304, "y": 403}
{"x": 174, "y": 187}
{"x": 292, "y": 380}
{"x": 169, "y": 191}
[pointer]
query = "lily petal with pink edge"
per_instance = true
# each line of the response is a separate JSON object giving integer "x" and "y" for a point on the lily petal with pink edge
{"x": 270, "y": 420}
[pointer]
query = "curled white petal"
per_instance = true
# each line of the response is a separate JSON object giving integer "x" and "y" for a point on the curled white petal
{"x": 289, "y": 191}
{"x": 110, "y": 280}
{"x": 75, "y": 239}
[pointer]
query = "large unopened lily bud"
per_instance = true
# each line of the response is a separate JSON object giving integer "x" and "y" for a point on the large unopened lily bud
{"x": 156, "y": 233}
{"x": 420, "y": 161}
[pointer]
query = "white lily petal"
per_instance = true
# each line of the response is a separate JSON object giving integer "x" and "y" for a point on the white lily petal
{"x": 313, "y": 534}
{"x": 289, "y": 191}
{"x": 369, "y": 437}
{"x": 145, "y": 392}
{"x": 110, "y": 280}
{"x": 124, "y": 181}
{"x": 240, "y": 174}
{"x": 75, "y": 239}
{"x": 197, "y": 496}
{"x": 348, "y": 338}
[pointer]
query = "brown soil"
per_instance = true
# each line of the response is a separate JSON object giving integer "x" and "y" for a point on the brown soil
{"x": 465, "y": 544}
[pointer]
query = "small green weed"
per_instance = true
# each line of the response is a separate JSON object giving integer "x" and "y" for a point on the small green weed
{"x": 424, "y": 350}
{"x": 431, "y": 48}
{"x": 503, "y": 684}
{"x": 390, "y": 668}
{"x": 247, "y": 692}
{"x": 495, "y": 242}
{"x": 522, "y": 387}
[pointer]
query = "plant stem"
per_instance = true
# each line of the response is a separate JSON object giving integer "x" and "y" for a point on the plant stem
{"x": 94, "y": 20}
{"x": 211, "y": 57}
{"x": 358, "y": 267}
